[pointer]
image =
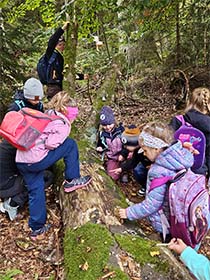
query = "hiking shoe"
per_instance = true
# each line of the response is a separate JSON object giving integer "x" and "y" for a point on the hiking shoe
{"x": 39, "y": 234}
{"x": 142, "y": 192}
{"x": 76, "y": 183}
{"x": 10, "y": 210}
{"x": 124, "y": 179}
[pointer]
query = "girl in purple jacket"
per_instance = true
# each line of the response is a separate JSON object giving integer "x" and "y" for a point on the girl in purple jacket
{"x": 157, "y": 142}
{"x": 52, "y": 145}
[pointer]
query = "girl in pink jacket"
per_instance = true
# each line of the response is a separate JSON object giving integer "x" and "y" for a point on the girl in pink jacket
{"x": 52, "y": 145}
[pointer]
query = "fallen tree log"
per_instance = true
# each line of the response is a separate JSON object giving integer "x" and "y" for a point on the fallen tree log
{"x": 88, "y": 209}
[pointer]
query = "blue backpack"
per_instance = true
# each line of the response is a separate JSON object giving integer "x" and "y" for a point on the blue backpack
{"x": 44, "y": 67}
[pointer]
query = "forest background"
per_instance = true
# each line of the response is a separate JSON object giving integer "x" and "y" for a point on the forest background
{"x": 141, "y": 38}
{"x": 154, "y": 51}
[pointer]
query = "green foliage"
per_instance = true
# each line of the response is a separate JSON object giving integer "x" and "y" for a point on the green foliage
{"x": 9, "y": 274}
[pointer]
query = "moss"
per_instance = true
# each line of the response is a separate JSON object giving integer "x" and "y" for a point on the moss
{"x": 141, "y": 250}
{"x": 86, "y": 252}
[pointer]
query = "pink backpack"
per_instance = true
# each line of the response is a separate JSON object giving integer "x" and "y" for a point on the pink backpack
{"x": 22, "y": 128}
{"x": 189, "y": 209}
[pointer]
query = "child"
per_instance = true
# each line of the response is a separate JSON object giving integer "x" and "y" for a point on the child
{"x": 29, "y": 97}
{"x": 132, "y": 158}
{"x": 109, "y": 140}
{"x": 12, "y": 187}
{"x": 198, "y": 264}
{"x": 52, "y": 145}
{"x": 197, "y": 113}
{"x": 156, "y": 140}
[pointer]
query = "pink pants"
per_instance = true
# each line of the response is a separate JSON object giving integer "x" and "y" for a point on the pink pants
{"x": 110, "y": 165}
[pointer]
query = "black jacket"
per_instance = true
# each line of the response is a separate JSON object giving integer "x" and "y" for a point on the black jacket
{"x": 21, "y": 102}
{"x": 131, "y": 163}
{"x": 201, "y": 122}
{"x": 56, "y": 71}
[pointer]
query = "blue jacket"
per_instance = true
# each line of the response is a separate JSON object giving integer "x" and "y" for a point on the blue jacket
{"x": 198, "y": 264}
{"x": 170, "y": 161}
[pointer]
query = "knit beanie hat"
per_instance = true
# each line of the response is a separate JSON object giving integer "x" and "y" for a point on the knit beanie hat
{"x": 130, "y": 136}
{"x": 33, "y": 89}
{"x": 106, "y": 116}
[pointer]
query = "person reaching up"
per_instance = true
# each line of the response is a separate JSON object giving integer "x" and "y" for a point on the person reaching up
{"x": 55, "y": 48}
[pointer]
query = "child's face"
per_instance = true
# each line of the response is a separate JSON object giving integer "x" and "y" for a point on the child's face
{"x": 108, "y": 127}
{"x": 131, "y": 148}
{"x": 33, "y": 102}
{"x": 151, "y": 153}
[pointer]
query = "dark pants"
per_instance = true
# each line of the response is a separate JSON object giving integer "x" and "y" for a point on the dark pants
{"x": 140, "y": 174}
{"x": 34, "y": 177}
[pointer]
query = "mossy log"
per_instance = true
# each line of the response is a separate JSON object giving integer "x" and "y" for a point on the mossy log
{"x": 130, "y": 253}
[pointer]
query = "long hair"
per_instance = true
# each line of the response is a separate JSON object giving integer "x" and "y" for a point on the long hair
{"x": 199, "y": 100}
{"x": 60, "y": 101}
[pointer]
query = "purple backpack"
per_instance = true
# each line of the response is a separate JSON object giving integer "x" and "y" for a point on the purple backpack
{"x": 193, "y": 139}
{"x": 189, "y": 212}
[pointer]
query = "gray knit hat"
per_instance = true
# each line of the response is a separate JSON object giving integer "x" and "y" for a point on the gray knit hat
{"x": 33, "y": 89}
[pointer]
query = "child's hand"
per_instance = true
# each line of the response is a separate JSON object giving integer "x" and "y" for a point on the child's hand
{"x": 177, "y": 245}
{"x": 122, "y": 213}
{"x": 116, "y": 171}
{"x": 65, "y": 26}
{"x": 99, "y": 149}
{"x": 120, "y": 158}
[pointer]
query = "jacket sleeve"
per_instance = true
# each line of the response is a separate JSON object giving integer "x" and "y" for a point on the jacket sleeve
{"x": 53, "y": 42}
{"x": 152, "y": 203}
{"x": 13, "y": 107}
{"x": 175, "y": 123}
{"x": 57, "y": 132}
{"x": 198, "y": 264}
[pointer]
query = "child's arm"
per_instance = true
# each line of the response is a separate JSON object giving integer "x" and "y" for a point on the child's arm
{"x": 150, "y": 205}
{"x": 198, "y": 264}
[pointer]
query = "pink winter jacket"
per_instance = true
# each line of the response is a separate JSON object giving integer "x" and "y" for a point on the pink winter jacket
{"x": 53, "y": 136}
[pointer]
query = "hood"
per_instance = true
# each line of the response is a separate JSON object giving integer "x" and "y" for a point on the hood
{"x": 175, "y": 158}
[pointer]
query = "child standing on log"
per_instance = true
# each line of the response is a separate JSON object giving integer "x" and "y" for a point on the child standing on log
{"x": 52, "y": 145}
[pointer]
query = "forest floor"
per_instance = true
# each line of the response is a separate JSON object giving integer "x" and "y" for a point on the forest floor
{"x": 26, "y": 260}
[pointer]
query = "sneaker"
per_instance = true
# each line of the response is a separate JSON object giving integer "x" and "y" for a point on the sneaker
{"x": 6, "y": 208}
{"x": 39, "y": 234}
{"x": 124, "y": 179}
{"x": 142, "y": 192}
{"x": 76, "y": 183}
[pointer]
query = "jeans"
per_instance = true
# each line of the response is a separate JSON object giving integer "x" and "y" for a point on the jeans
{"x": 34, "y": 178}
{"x": 140, "y": 174}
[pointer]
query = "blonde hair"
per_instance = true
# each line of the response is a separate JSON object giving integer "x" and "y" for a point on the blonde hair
{"x": 158, "y": 130}
{"x": 60, "y": 101}
{"x": 199, "y": 100}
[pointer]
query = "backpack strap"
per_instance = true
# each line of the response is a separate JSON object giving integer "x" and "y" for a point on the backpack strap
{"x": 157, "y": 182}
{"x": 182, "y": 120}
{"x": 20, "y": 103}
